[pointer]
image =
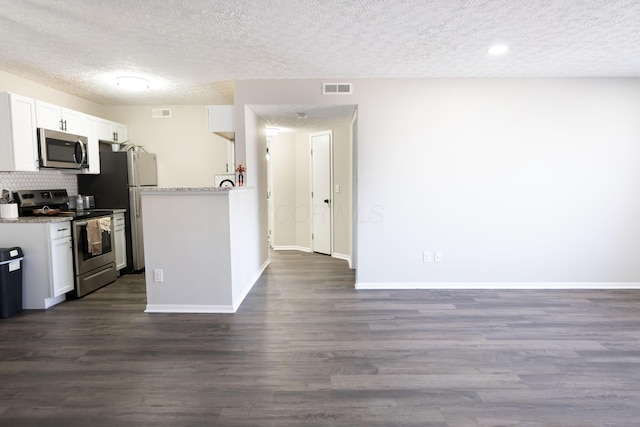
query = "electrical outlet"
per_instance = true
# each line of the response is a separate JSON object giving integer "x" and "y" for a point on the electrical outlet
{"x": 426, "y": 256}
{"x": 158, "y": 275}
{"x": 437, "y": 257}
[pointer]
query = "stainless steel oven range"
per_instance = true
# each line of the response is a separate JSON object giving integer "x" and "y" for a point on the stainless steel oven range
{"x": 92, "y": 234}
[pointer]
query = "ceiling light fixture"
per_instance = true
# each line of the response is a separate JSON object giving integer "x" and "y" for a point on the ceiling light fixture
{"x": 272, "y": 131}
{"x": 132, "y": 83}
{"x": 499, "y": 49}
{"x": 302, "y": 116}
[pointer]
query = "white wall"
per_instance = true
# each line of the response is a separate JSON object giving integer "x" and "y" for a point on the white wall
{"x": 188, "y": 154}
{"x": 291, "y": 191}
{"x": 515, "y": 181}
{"x": 21, "y": 86}
{"x": 303, "y": 191}
{"x": 253, "y": 248}
{"x": 342, "y": 200}
{"x": 283, "y": 157}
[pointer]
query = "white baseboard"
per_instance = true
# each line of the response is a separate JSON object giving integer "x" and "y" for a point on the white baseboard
{"x": 342, "y": 256}
{"x": 176, "y": 308}
{"x": 499, "y": 285}
{"x": 291, "y": 248}
{"x": 249, "y": 286}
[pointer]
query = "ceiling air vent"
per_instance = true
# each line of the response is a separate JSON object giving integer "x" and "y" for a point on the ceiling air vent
{"x": 161, "y": 113}
{"x": 337, "y": 88}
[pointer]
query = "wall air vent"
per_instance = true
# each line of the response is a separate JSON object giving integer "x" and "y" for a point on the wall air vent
{"x": 161, "y": 113}
{"x": 337, "y": 88}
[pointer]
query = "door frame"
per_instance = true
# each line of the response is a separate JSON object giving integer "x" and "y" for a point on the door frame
{"x": 270, "y": 213}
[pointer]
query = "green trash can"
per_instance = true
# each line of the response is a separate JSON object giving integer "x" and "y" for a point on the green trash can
{"x": 10, "y": 281}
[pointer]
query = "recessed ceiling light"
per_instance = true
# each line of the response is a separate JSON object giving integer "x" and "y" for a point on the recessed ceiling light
{"x": 499, "y": 49}
{"x": 132, "y": 83}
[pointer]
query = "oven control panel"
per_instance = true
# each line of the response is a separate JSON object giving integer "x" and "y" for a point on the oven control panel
{"x": 31, "y": 198}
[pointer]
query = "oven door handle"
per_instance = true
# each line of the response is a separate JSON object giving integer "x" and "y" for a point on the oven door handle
{"x": 83, "y": 223}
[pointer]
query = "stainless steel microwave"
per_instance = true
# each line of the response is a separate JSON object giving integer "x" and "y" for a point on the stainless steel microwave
{"x": 60, "y": 150}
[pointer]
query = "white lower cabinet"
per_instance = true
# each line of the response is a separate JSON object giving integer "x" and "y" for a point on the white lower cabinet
{"x": 47, "y": 269}
{"x": 61, "y": 265}
{"x": 120, "y": 241}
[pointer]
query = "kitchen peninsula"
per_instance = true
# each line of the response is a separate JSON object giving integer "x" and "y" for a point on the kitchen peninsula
{"x": 195, "y": 243}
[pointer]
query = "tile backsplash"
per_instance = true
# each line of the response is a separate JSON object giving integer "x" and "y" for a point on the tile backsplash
{"x": 40, "y": 180}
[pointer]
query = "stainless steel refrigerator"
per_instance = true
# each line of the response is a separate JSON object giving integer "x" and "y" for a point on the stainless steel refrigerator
{"x": 122, "y": 175}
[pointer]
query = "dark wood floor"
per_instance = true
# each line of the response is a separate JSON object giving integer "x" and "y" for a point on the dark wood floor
{"x": 307, "y": 349}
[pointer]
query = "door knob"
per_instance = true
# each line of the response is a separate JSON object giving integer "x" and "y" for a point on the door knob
{"x": 326, "y": 200}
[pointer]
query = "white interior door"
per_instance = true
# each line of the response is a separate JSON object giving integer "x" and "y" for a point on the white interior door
{"x": 321, "y": 192}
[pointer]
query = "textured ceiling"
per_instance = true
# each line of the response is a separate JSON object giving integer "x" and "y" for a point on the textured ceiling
{"x": 191, "y": 51}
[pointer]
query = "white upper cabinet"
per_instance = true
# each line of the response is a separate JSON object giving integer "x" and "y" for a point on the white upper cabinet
{"x": 99, "y": 129}
{"x": 53, "y": 117}
{"x": 120, "y": 132}
{"x": 73, "y": 121}
{"x": 93, "y": 149}
{"x": 18, "y": 143}
{"x": 112, "y": 131}
{"x": 48, "y": 116}
{"x": 104, "y": 130}
{"x": 20, "y": 117}
{"x": 220, "y": 120}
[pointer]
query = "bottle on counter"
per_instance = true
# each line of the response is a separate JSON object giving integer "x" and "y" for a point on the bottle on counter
{"x": 79, "y": 203}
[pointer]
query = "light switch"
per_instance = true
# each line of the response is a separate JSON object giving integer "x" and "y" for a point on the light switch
{"x": 337, "y": 188}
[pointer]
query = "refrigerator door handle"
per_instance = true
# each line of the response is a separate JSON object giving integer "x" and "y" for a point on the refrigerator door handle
{"x": 138, "y": 203}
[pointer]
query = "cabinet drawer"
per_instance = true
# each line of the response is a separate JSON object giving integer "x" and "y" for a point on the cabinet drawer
{"x": 59, "y": 229}
{"x": 118, "y": 221}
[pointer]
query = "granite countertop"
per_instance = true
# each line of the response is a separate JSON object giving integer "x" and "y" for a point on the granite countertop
{"x": 115, "y": 211}
{"x": 213, "y": 190}
{"x": 36, "y": 219}
{"x": 50, "y": 219}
